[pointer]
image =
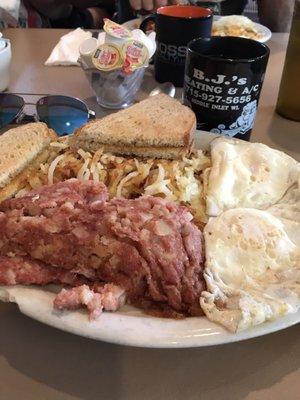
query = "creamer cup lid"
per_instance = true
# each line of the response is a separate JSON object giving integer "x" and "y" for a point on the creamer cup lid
{"x": 135, "y": 55}
{"x": 116, "y": 30}
{"x": 107, "y": 57}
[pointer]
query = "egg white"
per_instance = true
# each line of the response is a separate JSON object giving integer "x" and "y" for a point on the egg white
{"x": 252, "y": 269}
{"x": 247, "y": 175}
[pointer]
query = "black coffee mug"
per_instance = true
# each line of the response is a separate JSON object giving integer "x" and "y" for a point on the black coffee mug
{"x": 223, "y": 80}
{"x": 175, "y": 27}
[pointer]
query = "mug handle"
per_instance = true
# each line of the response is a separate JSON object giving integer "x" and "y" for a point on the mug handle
{"x": 151, "y": 17}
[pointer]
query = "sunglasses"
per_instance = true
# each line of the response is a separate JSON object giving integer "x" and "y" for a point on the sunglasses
{"x": 63, "y": 114}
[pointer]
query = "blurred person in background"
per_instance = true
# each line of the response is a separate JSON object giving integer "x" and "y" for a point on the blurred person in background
{"x": 75, "y": 13}
{"x": 275, "y": 14}
{"x": 55, "y": 13}
{"x": 150, "y": 5}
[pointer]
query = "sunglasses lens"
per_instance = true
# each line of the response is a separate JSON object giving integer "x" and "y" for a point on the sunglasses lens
{"x": 10, "y": 106}
{"x": 62, "y": 113}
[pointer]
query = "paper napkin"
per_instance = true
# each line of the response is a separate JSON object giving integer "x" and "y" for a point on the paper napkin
{"x": 66, "y": 52}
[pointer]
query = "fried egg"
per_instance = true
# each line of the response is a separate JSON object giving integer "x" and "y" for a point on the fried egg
{"x": 252, "y": 269}
{"x": 288, "y": 211}
{"x": 247, "y": 175}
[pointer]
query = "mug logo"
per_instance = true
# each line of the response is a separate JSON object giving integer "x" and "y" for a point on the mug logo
{"x": 223, "y": 97}
{"x": 171, "y": 53}
{"x": 243, "y": 123}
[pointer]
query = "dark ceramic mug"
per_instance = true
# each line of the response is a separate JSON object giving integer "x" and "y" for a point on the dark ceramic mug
{"x": 175, "y": 27}
{"x": 223, "y": 80}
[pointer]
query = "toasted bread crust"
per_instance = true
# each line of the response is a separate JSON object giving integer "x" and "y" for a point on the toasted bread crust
{"x": 20, "y": 146}
{"x": 143, "y": 152}
{"x": 20, "y": 180}
{"x": 159, "y": 121}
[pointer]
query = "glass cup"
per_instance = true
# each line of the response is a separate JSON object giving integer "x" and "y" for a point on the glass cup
{"x": 115, "y": 89}
{"x": 223, "y": 81}
{"x": 288, "y": 103}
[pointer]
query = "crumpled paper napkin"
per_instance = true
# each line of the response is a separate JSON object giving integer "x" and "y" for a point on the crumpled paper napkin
{"x": 66, "y": 52}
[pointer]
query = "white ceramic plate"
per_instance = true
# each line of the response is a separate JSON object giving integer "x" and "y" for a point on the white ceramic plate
{"x": 130, "y": 326}
{"x": 264, "y": 31}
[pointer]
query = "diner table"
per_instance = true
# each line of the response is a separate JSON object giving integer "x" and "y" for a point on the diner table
{"x": 38, "y": 362}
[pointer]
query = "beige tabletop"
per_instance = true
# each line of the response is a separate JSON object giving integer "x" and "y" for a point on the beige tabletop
{"x": 38, "y": 362}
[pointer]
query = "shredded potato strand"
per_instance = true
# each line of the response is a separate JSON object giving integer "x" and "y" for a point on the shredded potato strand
{"x": 84, "y": 154}
{"x": 22, "y": 192}
{"x": 83, "y": 169}
{"x": 178, "y": 180}
{"x": 52, "y": 168}
{"x": 124, "y": 180}
{"x": 59, "y": 145}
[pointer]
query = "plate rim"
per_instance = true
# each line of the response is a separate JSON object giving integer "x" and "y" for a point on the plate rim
{"x": 76, "y": 322}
